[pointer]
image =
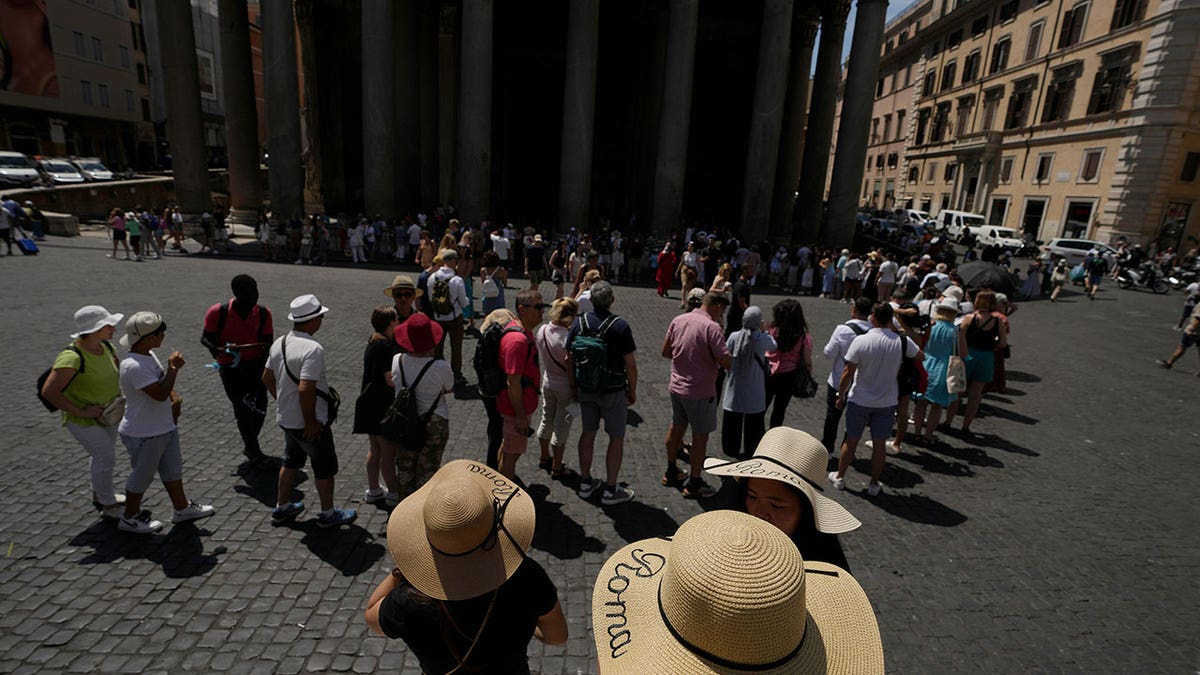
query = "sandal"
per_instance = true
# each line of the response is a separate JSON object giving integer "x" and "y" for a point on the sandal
{"x": 562, "y": 473}
{"x": 545, "y": 463}
{"x": 677, "y": 480}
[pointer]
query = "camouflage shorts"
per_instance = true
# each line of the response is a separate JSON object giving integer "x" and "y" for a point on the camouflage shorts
{"x": 413, "y": 469}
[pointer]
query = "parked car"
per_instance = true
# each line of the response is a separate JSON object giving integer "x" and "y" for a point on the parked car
{"x": 59, "y": 171}
{"x": 1006, "y": 237}
{"x": 92, "y": 169}
{"x": 913, "y": 229}
{"x": 955, "y": 223}
{"x": 911, "y": 216}
{"x": 1075, "y": 250}
{"x": 16, "y": 170}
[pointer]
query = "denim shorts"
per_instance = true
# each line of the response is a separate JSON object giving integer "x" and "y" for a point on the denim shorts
{"x": 150, "y": 455}
{"x": 860, "y": 417}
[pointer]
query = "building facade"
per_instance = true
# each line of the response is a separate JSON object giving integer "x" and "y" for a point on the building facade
{"x": 73, "y": 81}
{"x": 1061, "y": 118}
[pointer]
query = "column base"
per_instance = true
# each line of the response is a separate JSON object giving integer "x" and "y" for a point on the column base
{"x": 242, "y": 216}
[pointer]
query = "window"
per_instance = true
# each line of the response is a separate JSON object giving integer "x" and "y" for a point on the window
{"x": 141, "y": 71}
{"x": 1006, "y": 166}
{"x": 1008, "y": 11}
{"x": 1034, "y": 45}
{"x": 908, "y": 75}
{"x": 941, "y": 120}
{"x": 929, "y": 85}
{"x": 998, "y": 211}
{"x": 97, "y": 49}
{"x": 1000, "y": 55}
{"x": 950, "y": 171}
{"x": 1127, "y": 12}
{"x": 887, "y": 127}
{"x": 80, "y": 50}
{"x": 126, "y": 62}
{"x": 1060, "y": 94}
{"x": 1089, "y": 169}
{"x": 931, "y": 173}
{"x": 85, "y": 89}
{"x": 954, "y": 39}
{"x": 934, "y": 49}
{"x": 900, "y": 131}
{"x": 962, "y": 125}
{"x": 128, "y": 100}
{"x": 875, "y": 130}
{"x": 1191, "y": 165}
{"x": 1044, "y": 164}
{"x": 145, "y": 110}
{"x": 103, "y": 95}
{"x": 948, "y": 74}
{"x": 879, "y": 162}
{"x": 133, "y": 27}
{"x": 991, "y": 104}
{"x": 1072, "y": 26}
{"x": 971, "y": 67}
{"x": 914, "y": 174}
{"x": 978, "y": 26}
{"x": 879, "y": 88}
{"x": 922, "y": 125}
{"x": 1108, "y": 89}
{"x": 1019, "y": 103}
{"x": 892, "y": 160}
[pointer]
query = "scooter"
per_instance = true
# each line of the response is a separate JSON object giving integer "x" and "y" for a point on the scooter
{"x": 1146, "y": 276}
{"x": 1182, "y": 277}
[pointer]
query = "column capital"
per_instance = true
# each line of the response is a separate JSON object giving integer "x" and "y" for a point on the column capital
{"x": 805, "y": 22}
{"x": 836, "y": 12}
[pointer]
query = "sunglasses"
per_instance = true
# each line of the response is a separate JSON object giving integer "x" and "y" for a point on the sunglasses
{"x": 403, "y": 294}
{"x": 541, "y": 306}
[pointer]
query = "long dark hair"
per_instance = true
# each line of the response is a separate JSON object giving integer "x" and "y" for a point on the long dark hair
{"x": 789, "y": 323}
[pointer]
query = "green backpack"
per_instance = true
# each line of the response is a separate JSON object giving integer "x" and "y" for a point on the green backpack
{"x": 589, "y": 353}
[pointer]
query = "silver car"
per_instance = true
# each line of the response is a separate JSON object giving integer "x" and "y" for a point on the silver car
{"x": 1075, "y": 250}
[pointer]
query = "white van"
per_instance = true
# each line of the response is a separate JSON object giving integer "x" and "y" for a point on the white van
{"x": 1006, "y": 237}
{"x": 17, "y": 170}
{"x": 956, "y": 223}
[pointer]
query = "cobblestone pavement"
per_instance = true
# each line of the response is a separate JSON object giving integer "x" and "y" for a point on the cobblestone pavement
{"x": 1051, "y": 545}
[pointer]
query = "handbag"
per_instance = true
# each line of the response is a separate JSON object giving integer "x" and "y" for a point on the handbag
{"x": 956, "y": 372}
{"x": 113, "y": 411}
{"x": 332, "y": 399}
{"x": 806, "y": 386}
{"x": 912, "y": 376}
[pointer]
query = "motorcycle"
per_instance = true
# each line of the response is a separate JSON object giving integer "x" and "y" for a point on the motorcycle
{"x": 1145, "y": 276}
{"x": 1181, "y": 277}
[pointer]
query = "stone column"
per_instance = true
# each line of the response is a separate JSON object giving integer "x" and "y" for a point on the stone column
{"x": 579, "y": 105}
{"x": 379, "y": 106}
{"x": 281, "y": 89}
{"x": 407, "y": 106}
{"x": 858, "y": 100}
{"x": 985, "y": 168}
{"x": 766, "y": 119}
{"x": 427, "y": 60}
{"x": 683, "y": 20}
{"x": 821, "y": 111}
{"x": 241, "y": 118}
{"x": 791, "y": 142}
{"x": 185, "y": 126}
{"x": 474, "y": 169}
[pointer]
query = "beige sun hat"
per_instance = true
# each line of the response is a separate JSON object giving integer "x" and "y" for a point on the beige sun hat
{"x": 403, "y": 281}
{"x": 730, "y": 594}
{"x": 463, "y": 533}
{"x": 798, "y": 459}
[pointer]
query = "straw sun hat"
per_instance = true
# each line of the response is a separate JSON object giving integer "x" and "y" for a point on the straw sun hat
{"x": 798, "y": 459}
{"x": 730, "y": 594}
{"x": 463, "y": 534}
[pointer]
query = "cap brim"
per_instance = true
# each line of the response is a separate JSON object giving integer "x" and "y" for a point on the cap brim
{"x": 829, "y": 516}
{"x": 465, "y": 576}
{"x": 841, "y": 635}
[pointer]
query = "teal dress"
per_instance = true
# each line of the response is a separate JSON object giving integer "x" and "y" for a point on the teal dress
{"x": 942, "y": 340}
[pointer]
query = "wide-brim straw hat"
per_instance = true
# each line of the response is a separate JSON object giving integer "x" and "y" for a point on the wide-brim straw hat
{"x": 798, "y": 459}
{"x": 462, "y": 534}
{"x": 403, "y": 281}
{"x": 730, "y": 594}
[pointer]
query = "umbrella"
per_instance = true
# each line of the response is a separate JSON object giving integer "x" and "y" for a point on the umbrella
{"x": 977, "y": 274}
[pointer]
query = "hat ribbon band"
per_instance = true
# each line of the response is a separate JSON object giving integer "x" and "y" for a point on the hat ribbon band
{"x": 490, "y": 541}
{"x": 724, "y": 663}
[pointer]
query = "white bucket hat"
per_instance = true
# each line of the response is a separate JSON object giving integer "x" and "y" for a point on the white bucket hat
{"x": 306, "y": 307}
{"x": 730, "y": 594}
{"x": 92, "y": 318}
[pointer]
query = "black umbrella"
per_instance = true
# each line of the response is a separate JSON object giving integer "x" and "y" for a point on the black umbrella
{"x": 978, "y": 274}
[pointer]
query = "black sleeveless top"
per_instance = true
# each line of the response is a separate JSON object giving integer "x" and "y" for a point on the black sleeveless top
{"x": 982, "y": 335}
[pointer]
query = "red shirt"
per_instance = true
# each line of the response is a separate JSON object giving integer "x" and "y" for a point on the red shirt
{"x": 518, "y": 356}
{"x": 240, "y": 331}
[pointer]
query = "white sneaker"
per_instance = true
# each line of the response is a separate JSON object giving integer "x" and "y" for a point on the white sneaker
{"x": 114, "y": 512}
{"x": 192, "y": 511}
{"x": 874, "y": 489}
{"x": 142, "y": 523}
{"x": 373, "y": 495}
{"x": 839, "y": 483}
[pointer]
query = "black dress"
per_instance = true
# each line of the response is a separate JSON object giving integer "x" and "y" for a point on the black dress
{"x": 375, "y": 395}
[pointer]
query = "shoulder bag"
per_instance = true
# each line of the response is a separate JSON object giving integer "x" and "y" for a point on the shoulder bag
{"x": 332, "y": 400}
{"x": 956, "y": 371}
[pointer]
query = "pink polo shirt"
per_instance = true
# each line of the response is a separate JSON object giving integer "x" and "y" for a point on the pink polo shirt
{"x": 696, "y": 343}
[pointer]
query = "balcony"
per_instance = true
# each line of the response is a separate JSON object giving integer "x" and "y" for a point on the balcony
{"x": 978, "y": 142}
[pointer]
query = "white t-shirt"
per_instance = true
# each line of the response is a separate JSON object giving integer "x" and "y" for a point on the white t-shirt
{"x": 551, "y": 341}
{"x": 838, "y": 343}
{"x": 585, "y": 303}
{"x": 877, "y": 355}
{"x": 144, "y": 417}
{"x": 887, "y": 272}
{"x": 458, "y": 292}
{"x": 414, "y": 235}
{"x": 853, "y": 270}
{"x": 438, "y": 379}
{"x": 500, "y": 245}
{"x": 306, "y": 359}
{"x": 1193, "y": 289}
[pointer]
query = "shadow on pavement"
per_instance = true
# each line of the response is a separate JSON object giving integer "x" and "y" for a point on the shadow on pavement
{"x": 351, "y": 549}
{"x": 971, "y": 455}
{"x": 1018, "y": 376}
{"x": 180, "y": 552}
{"x": 913, "y": 508}
{"x": 557, "y": 533}
{"x": 988, "y": 410}
{"x": 994, "y": 441}
{"x": 264, "y": 485}
{"x": 893, "y": 475}
{"x": 935, "y": 464}
{"x": 635, "y": 521}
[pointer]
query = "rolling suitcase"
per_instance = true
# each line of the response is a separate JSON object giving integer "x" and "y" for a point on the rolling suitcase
{"x": 27, "y": 245}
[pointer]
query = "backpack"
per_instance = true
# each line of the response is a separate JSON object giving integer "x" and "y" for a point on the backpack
{"x": 589, "y": 354}
{"x": 403, "y": 423}
{"x": 490, "y": 288}
{"x": 486, "y": 361}
{"x": 439, "y": 296}
{"x": 41, "y": 381}
{"x": 912, "y": 376}
{"x": 1098, "y": 265}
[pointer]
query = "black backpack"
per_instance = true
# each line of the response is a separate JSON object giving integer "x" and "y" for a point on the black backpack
{"x": 486, "y": 361}
{"x": 403, "y": 423}
{"x": 41, "y": 381}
